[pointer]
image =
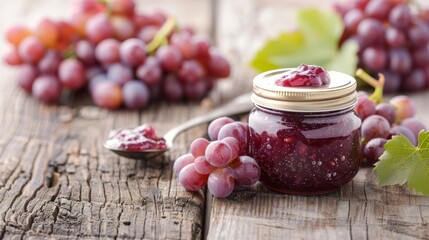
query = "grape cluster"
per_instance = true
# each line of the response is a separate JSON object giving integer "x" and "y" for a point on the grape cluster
{"x": 221, "y": 163}
{"x": 382, "y": 121}
{"x": 124, "y": 57}
{"x": 392, "y": 40}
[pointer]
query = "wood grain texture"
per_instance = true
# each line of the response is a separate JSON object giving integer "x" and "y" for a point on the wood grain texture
{"x": 57, "y": 181}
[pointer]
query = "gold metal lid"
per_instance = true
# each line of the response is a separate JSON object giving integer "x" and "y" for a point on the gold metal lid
{"x": 339, "y": 94}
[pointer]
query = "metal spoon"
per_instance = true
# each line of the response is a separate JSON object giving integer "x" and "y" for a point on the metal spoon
{"x": 236, "y": 106}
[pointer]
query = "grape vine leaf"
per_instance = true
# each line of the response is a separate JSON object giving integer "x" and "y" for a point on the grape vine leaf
{"x": 315, "y": 41}
{"x": 403, "y": 162}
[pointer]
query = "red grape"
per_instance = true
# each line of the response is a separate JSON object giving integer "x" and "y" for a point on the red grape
{"x": 47, "y": 89}
{"x": 72, "y": 74}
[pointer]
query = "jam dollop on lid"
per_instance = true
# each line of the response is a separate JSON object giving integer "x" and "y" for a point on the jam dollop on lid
{"x": 304, "y": 75}
{"x": 290, "y": 89}
{"x": 140, "y": 138}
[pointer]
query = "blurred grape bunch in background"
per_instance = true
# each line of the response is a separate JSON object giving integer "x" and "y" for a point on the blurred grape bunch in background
{"x": 125, "y": 57}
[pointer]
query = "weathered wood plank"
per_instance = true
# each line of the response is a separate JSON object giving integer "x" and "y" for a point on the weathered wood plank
{"x": 56, "y": 178}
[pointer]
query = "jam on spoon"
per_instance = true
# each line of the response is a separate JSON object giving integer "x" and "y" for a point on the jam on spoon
{"x": 140, "y": 138}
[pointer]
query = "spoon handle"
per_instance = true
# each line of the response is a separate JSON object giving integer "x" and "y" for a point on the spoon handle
{"x": 238, "y": 105}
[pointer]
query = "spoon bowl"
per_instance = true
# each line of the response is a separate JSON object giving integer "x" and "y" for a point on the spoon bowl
{"x": 237, "y": 106}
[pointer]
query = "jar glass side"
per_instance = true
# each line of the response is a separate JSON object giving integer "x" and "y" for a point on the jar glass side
{"x": 305, "y": 153}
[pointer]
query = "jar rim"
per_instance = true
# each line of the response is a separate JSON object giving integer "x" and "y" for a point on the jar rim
{"x": 339, "y": 94}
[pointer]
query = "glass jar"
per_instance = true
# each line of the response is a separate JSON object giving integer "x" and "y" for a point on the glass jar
{"x": 306, "y": 140}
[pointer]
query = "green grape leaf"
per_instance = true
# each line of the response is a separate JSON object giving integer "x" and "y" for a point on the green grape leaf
{"x": 403, "y": 162}
{"x": 315, "y": 41}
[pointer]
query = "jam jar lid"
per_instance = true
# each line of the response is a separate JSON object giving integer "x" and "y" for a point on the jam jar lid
{"x": 338, "y": 95}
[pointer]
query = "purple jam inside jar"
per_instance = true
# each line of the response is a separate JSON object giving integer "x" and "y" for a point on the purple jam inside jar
{"x": 306, "y": 140}
{"x": 140, "y": 138}
{"x": 302, "y": 153}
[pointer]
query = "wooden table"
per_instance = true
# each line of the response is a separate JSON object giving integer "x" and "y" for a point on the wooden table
{"x": 57, "y": 181}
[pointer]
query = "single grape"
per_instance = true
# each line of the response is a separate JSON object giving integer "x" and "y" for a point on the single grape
{"x": 123, "y": 27}
{"x": 50, "y": 63}
{"x": 404, "y": 106}
{"x": 172, "y": 89}
{"x": 169, "y": 57}
{"x": 12, "y": 57}
{"x": 400, "y": 16}
{"x": 136, "y": 94}
{"x": 132, "y": 52}
{"x": 415, "y": 81}
{"x": 234, "y": 144}
{"x": 181, "y": 162}
{"x": 119, "y": 73}
{"x": 27, "y": 73}
{"x": 107, "y": 51}
{"x": 375, "y": 126}
{"x": 147, "y": 33}
{"x": 401, "y": 130}
{"x": 418, "y": 34}
{"x": 216, "y": 125}
{"x": 47, "y": 33}
{"x": 218, "y": 66}
{"x": 218, "y": 153}
{"x": 107, "y": 94}
{"x": 202, "y": 165}
{"x": 237, "y": 130}
{"x": 371, "y": 31}
{"x": 98, "y": 27}
{"x": 86, "y": 6}
{"x": 414, "y": 125}
{"x": 191, "y": 71}
{"x": 31, "y": 50}
{"x": 374, "y": 149}
{"x": 121, "y": 7}
{"x": 47, "y": 89}
{"x": 352, "y": 19}
{"x": 198, "y": 147}
{"x": 374, "y": 58}
{"x": 364, "y": 107}
{"x": 85, "y": 51}
{"x": 190, "y": 179}
{"x": 183, "y": 42}
{"x": 150, "y": 72}
{"x": 202, "y": 48}
{"x": 71, "y": 73}
{"x": 248, "y": 172}
{"x": 378, "y": 9}
{"x": 387, "y": 111}
{"x": 400, "y": 60}
{"x": 221, "y": 182}
{"x": 16, "y": 34}
{"x": 67, "y": 35}
{"x": 195, "y": 91}
{"x": 395, "y": 38}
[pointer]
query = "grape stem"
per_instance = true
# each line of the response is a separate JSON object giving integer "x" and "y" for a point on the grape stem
{"x": 377, "y": 95}
{"x": 161, "y": 35}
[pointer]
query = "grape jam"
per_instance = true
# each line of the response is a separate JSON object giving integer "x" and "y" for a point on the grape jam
{"x": 305, "y": 153}
{"x": 304, "y": 75}
{"x": 140, "y": 138}
{"x": 305, "y": 138}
